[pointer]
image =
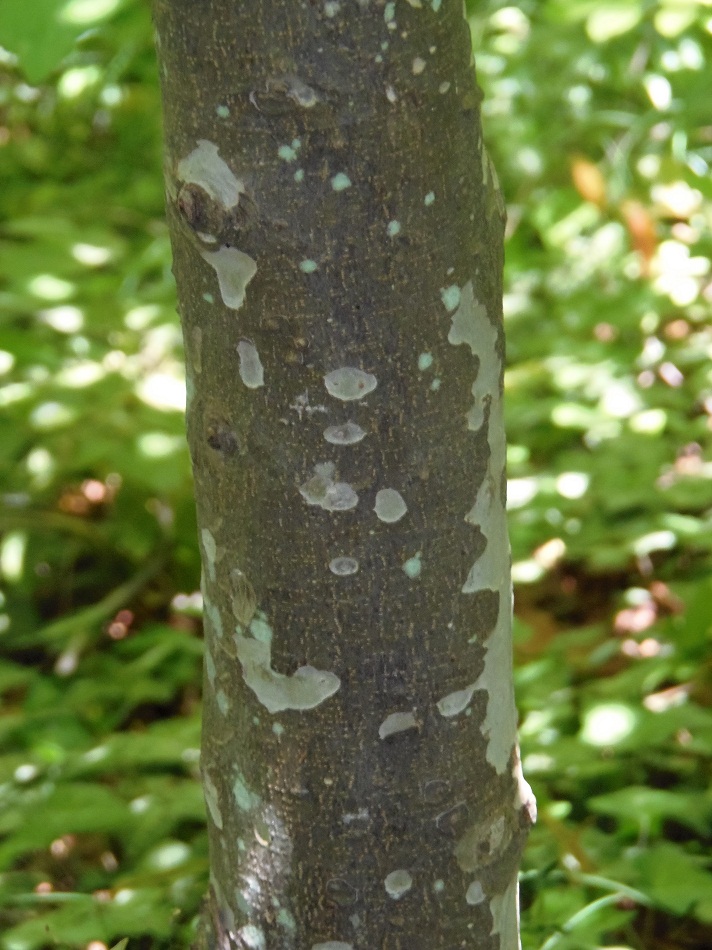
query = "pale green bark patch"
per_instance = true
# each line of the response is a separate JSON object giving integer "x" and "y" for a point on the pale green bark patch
{"x": 398, "y": 883}
{"x": 455, "y": 703}
{"x": 251, "y": 370}
{"x": 450, "y": 296}
{"x": 234, "y": 271}
{"x": 390, "y": 505}
{"x": 467, "y": 326}
{"x": 348, "y": 383}
{"x": 343, "y": 566}
{"x": 348, "y": 433}
{"x": 210, "y": 549}
{"x": 505, "y": 915}
{"x": 397, "y": 722}
{"x": 475, "y": 895}
{"x": 252, "y": 937}
{"x": 325, "y": 492}
{"x": 205, "y": 168}
{"x": 212, "y": 613}
{"x": 260, "y": 629}
{"x": 471, "y": 326}
{"x": 286, "y": 919}
{"x": 340, "y": 181}
{"x": 287, "y": 153}
{"x": 210, "y": 666}
{"x": 306, "y": 688}
{"x": 500, "y": 723}
{"x": 211, "y": 800}
{"x": 246, "y": 800}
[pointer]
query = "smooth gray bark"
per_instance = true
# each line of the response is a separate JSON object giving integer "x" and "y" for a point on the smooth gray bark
{"x": 337, "y": 234}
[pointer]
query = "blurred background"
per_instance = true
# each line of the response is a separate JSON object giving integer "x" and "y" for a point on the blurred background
{"x": 598, "y": 118}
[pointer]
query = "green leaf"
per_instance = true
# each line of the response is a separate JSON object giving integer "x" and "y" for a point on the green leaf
{"x": 49, "y": 812}
{"x": 42, "y": 34}
{"x": 647, "y": 808}
{"x": 674, "y": 879}
{"x": 138, "y": 913}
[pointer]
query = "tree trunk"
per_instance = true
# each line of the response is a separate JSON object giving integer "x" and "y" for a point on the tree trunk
{"x": 337, "y": 234}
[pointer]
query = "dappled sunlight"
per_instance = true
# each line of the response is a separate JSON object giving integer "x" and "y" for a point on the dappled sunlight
{"x": 609, "y": 724}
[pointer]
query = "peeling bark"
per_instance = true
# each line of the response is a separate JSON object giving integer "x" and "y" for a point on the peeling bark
{"x": 337, "y": 234}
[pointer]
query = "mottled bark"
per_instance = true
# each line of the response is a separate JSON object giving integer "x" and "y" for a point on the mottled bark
{"x": 337, "y": 233}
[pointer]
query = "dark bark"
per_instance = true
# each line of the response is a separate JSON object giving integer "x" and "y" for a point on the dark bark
{"x": 337, "y": 236}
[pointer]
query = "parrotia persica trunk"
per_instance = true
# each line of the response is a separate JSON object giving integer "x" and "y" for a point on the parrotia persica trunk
{"x": 337, "y": 234}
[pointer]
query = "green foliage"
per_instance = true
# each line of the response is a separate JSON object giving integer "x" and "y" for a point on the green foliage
{"x": 46, "y": 33}
{"x": 596, "y": 117}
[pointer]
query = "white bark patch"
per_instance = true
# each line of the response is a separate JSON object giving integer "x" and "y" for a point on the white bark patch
{"x": 234, "y": 271}
{"x": 505, "y": 916}
{"x": 475, "y": 895}
{"x": 500, "y": 723}
{"x": 397, "y": 722}
{"x": 306, "y": 688}
{"x": 343, "y": 566}
{"x": 398, "y": 883}
{"x": 211, "y": 800}
{"x": 390, "y": 506}
{"x": 251, "y": 370}
{"x": 471, "y": 325}
{"x": 325, "y": 492}
{"x": 491, "y": 570}
{"x": 348, "y": 433}
{"x": 455, "y": 703}
{"x": 205, "y": 168}
{"x": 348, "y": 383}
